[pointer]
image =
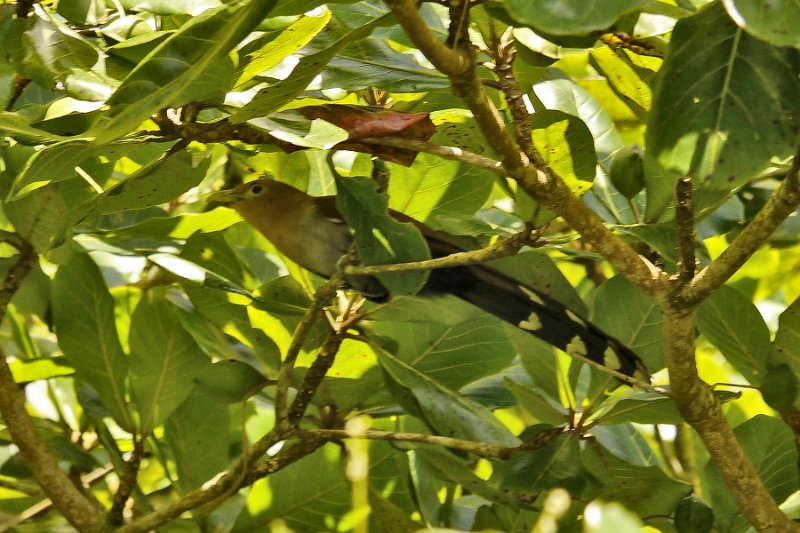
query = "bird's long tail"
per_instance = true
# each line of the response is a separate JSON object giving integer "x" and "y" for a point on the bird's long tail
{"x": 537, "y": 314}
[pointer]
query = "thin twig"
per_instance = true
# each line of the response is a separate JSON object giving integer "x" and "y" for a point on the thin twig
{"x": 127, "y": 482}
{"x": 684, "y": 229}
{"x": 503, "y": 248}
{"x": 323, "y": 296}
{"x": 480, "y": 449}
{"x": 445, "y": 152}
{"x": 783, "y": 202}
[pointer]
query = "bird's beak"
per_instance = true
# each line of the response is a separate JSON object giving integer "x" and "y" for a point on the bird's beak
{"x": 221, "y": 199}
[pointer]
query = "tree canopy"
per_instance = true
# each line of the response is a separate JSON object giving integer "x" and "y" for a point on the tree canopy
{"x": 163, "y": 366}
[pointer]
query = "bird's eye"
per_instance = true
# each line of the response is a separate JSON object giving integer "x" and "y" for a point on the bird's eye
{"x": 257, "y": 189}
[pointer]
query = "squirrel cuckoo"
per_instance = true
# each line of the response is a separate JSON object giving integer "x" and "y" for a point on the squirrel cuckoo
{"x": 311, "y": 232}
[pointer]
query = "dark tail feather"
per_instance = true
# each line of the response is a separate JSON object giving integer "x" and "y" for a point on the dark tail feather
{"x": 538, "y": 314}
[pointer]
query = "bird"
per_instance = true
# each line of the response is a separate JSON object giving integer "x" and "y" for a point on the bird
{"x": 310, "y": 231}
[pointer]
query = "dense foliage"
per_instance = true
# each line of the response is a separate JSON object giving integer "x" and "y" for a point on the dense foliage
{"x": 163, "y": 366}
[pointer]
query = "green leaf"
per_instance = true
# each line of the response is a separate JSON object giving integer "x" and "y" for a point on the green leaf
{"x": 19, "y": 126}
{"x": 304, "y": 502}
{"x": 563, "y": 94}
{"x": 45, "y": 216}
{"x": 612, "y": 517}
{"x": 454, "y": 469}
{"x": 39, "y": 369}
{"x": 157, "y": 182}
{"x": 197, "y": 433}
{"x": 769, "y": 445}
{"x": 83, "y": 313}
{"x": 694, "y": 515}
{"x": 177, "y": 71}
{"x": 379, "y": 238}
{"x": 556, "y": 464}
{"x": 786, "y": 347}
{"x": 164, "y": 360}
{"x": 58, "y": 162}
{"x": 717, "y": 89}
{"x": 566, "y": 145}
{"x": 646, "y": 408}
{"x": 637, "y": 323}
{"x": 170, "y": 7}
{"x": 732, "y": 323}
{"x": 779, "y": 388}
{"x": 537, "y": 402}
{"x": 778, "y": 23}
{"x": 569, "y": 17}
{"x": 289, "y": 41}
{"x": 446, "y": 411}
{"x": 623, "y": 79}
{"x": 230, "y": 381}
{"x": 448, "y": 353}
{"x": 645, "y": 490}
{"x": 272, "y": 98}
{"x": 432, "y": 187}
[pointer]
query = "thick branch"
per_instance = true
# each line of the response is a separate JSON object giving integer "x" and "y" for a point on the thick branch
{"x": 701, "y": 409}
{"x": 539, "y": 181}
{"x": 779, "y": 206}
{"x": 69, "y": 500}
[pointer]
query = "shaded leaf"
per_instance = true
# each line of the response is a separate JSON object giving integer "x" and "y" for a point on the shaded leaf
{"x": 732, "y": 323}
{"x": 775, "y": 22}
{"x": 230, "y": 381}
{"x": 380, "y": 239}
{"x": 164, "y": 360}
{"x": 569, "y": 17}
{"x": 83, "y": 313}
{"x": 717, "y": 89}
{"x": 448, "y": 412}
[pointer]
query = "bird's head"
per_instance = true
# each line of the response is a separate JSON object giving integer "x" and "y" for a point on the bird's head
{"x": 244, "y": 193}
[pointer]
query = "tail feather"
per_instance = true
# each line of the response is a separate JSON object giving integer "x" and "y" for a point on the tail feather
{"x": 538, "y": 314}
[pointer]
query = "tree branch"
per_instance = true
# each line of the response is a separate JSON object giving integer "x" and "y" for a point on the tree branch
{"x": 701, "y": 409}
{"x": 502, "y": 248}
{"x": 480, "y": 449}
{"x": 321, "y": 299}
{"x": 684, "y": 229}
{"x": 779, "y": 206}
{"x": 69, "y": 500}
{"x": 539, "y": 181}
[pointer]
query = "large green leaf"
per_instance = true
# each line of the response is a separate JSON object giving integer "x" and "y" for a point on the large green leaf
{"x": 83, "y": 313}
{"x": 380, "y": 239}
{"x": 309, "y": 67}
{"x": 164, "y": 360}
{"x": 786, "y": 347}
{"x": 432, "y": 187}
{"x": 197, "y": 433}
{"x": 631, "y": 316}
{"x": 284, "y": 44}
{"x": 304, "y": 502}
{"x": 724, "y": 105}
{"x": 60, "y": 162}
{"x": 179, "y": 69}
{"x": 556, "y": 464}
{"x": 452, "y": 355}
{"x": 566, "y": 146}
{"x": 775, "y": 22}
{"x": 645, "y": 490}
{"x": 732, "y": 323}
{"x": 569, "y": 17}
{"x": 446, "y": 411}
{"x": 769, "y": 445}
